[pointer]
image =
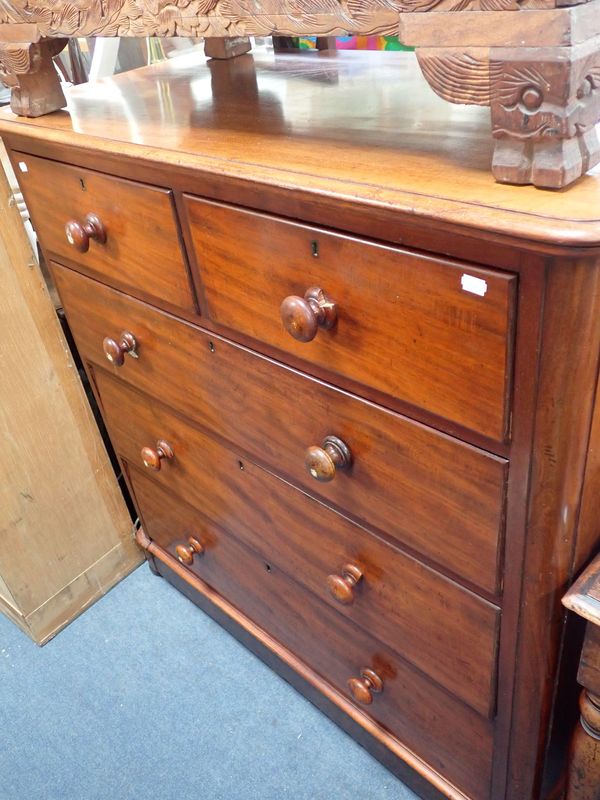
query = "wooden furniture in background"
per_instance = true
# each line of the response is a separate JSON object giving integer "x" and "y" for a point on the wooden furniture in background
{"x": 535, "y": 63}
{"x": 66, "y": 533}
{"x": 352, "y": 384}
{"x": 584, "y": 775}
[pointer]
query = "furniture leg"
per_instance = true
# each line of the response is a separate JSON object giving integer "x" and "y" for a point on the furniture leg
{"x": 215, "y": 47}
{"x": 29, "y": 70}
{"x": 584, "y": 770}
{"x": 545, "y": 103}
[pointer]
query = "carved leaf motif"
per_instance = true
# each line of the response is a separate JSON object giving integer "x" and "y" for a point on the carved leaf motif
{"x": 66, "y": 18}
{"x": 510, "y": 83}
{"x": 499, "y": 5}
{"x": 418, "y": 5}
{"x": 11, "y": 12}
{"x": 230, "y": 17}
{"x": 461, "y": 5}
{"x": 14, "y": 58}
{"x": 358, "y": 8}
{"x": 462, "y": 78}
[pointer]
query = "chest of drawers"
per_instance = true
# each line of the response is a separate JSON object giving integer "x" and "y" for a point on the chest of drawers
{"x": 352, "y": 387}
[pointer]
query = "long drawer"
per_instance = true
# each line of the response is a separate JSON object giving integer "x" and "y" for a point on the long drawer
{"x": 124, "y": 232}
{"x": 445, "y": 630}
{"x": 432, "y": 332}
{"x": 445, "y": 733}
{"x": 436, "y": 495}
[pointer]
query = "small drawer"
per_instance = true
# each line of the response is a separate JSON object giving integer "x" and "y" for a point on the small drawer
{"x": 123, "y": 232}
{"x": 448, "y": 735}
{"x": 446, "y": 631}
{"x": 432, "y": 493}
{"x": 433, "y": 333}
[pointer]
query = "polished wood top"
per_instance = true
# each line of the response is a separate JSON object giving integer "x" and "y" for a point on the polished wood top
{"x": 361, "y": 126}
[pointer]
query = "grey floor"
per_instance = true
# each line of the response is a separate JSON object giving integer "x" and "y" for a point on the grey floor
{"x": 144, "y": 697}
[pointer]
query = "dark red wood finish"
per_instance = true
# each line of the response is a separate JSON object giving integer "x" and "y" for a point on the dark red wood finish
{"x": 357, "y": 175}
{"x": 438, "y": 496}
{"x": 436, "y": 334}
{"x": 446, "y": 631}
{"x": 449, "y": 736}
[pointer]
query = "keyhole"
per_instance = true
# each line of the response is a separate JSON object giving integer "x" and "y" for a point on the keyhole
{"x": 268, "y": 567}
{"x": 314, "y": 247}
{"x": 211, "y": 347}
{"x": 82, "y": 184}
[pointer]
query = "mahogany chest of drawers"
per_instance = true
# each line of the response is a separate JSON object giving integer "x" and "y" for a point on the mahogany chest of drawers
{"x": 352, "y": 384}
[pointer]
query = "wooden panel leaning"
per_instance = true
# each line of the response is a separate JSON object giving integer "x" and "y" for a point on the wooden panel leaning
{"x": 66, "y": 533}
{"x": 584, "y": 769}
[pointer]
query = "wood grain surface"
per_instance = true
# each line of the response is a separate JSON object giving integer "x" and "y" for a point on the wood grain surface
{"x": 447, "y": 631}
{"x": 417, "y": 164}
{"x": 447, "y": 734}
{"x": 141, "y": 253}
{"x": 436, "y": 334}
{"x": 434, "y": 494}
{"x": 292, "y": 137}
{"x": 66, "y": 533}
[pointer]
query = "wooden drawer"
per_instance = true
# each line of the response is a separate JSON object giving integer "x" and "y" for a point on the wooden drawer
{"x": 434, "y": 494}
{"x": 410, "y": 326}
{"x": 447, "y": 734}
{"x": 445, "y": 630}
{"x": 142, "y": 252}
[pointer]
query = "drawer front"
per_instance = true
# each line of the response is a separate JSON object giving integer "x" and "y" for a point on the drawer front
{"x": 434, "y": 494}
{"x": 448, "y": 735}
{"x": 445, "y": 630}
{"x": 412, "y": 327}
{"x": 142, "y": 252}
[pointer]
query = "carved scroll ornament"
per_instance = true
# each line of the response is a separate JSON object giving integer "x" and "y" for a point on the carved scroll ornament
{"x": 231, "y": 17}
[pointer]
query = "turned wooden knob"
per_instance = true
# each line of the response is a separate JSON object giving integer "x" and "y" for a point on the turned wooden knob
{"x": 115, "y": 350}
{"x": 362, "y": 688}
{"x": 186, "y": 552}
{"x": 152, "y": 458}
{"x": 322, "y": 462}
{"x": 79, "y": 235}
{"x": 303, "y": 316}
{"x": 341, "y": 587}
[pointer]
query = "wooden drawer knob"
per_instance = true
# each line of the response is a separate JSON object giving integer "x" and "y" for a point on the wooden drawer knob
{"x": 152, "y": 458}
{"x": 303, "y": 316}
{"x": 79, "y": 235}
{"x": 341, "y": 587}
{"x": 362, "y": 688}
{"x": 322, "y": 462}
{"x": 186, "y": 552}
{"x": 115, "y": 350}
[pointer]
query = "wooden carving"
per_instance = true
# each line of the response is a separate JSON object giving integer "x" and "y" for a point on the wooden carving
{"x": 28, "y": 70}
{"x": 545, "y": 101}
{"x": 232, "y": 17}
{"x": 545, "y": 104}
{"x": 458, "y": 76}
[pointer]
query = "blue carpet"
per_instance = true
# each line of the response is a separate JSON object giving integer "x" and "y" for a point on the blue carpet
{"x": 144, "y": 697}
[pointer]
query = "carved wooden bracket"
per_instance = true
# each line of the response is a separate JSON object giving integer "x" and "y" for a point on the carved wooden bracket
{"x": 28, "y": 69}
{"x": 545, "y": 103}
